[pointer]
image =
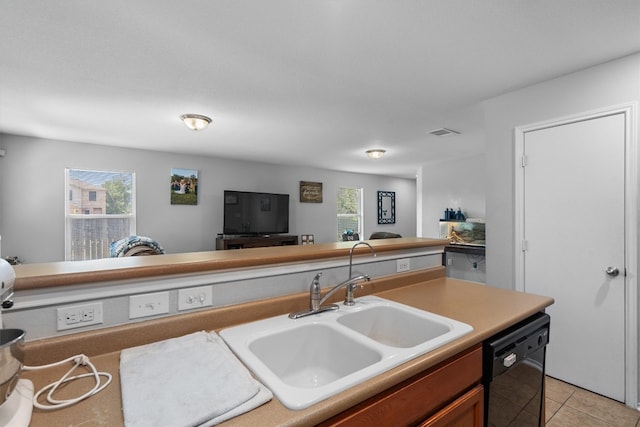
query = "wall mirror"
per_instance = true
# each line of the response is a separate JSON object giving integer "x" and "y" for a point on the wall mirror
{"x": 386, "y": 207}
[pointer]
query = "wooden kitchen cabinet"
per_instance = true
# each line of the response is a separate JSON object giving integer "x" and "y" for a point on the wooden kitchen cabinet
{"x": 449, "y": 394}
{"x": 466, "y": 411}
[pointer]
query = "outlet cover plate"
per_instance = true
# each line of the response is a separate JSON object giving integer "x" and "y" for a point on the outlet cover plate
{"x": 403, "y": 264}
{"x": 191, "y": 298}
{"x": 79, "y": 316}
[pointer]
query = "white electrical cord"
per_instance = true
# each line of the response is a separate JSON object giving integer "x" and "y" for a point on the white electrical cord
{"x": 78, "y": 360}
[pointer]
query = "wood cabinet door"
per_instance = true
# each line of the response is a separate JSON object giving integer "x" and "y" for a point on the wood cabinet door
{"x": 415, "y": 399}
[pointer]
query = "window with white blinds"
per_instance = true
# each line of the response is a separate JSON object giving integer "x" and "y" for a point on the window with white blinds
{"x": 349, "y": 213}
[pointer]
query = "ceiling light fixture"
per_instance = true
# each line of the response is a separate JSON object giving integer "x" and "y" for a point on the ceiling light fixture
{"x": 376, "y": 153}
{"x": 195, "y": 121}
{"x": 444, "y": 132}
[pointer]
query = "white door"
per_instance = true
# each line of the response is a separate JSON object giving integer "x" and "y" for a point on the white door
{"x": 574, "y": 230}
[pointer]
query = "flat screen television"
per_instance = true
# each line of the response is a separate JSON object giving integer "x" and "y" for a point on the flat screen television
{"x": 249, "y": 213}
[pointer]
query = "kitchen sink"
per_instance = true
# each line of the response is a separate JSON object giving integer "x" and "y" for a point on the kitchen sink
{"x": 303, "y": 361}
{"x": 312, "y": 355}
{"x": 396, "y": 327}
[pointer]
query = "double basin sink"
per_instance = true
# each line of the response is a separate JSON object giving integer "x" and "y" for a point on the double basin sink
{"x": 306, "y": 360}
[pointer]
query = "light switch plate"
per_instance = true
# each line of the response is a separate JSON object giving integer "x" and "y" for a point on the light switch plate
{"x": 148, "y": 304}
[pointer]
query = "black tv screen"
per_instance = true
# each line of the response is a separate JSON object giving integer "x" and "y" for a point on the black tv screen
{"x": 255, "y": 213}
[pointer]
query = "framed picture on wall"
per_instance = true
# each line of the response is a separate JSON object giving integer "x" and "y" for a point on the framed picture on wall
{"x": 184, "y": 186}
{"x": 310, "y": 192}
{"x": 386, "y": 207}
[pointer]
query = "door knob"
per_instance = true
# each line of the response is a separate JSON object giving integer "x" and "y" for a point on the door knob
{"x": 612, "y": 271}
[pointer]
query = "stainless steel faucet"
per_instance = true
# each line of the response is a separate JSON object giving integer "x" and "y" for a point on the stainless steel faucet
{"x": 350, "y": 285}
{"x": 348, "y": 300}
{"x": 314, "y": 293}
{"x": 315, "y": 304}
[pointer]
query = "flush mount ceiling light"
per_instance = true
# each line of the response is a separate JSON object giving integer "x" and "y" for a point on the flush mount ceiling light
{"x": 443, "y": 132}
{"x": 375, "y": 153}
{"x": 195, "y": 121}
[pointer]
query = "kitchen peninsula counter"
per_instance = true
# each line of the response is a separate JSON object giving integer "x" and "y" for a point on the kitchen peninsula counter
{"x": 489, "y": 310}
{"x": 52, "y": 274}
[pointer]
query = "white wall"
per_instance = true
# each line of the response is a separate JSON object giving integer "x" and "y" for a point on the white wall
{"x": 609, "y": 84}
{"x": 453, "y": 184}
{"x": 32, "y": 195}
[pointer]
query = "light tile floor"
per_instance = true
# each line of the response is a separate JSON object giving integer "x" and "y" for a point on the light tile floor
{"x": 568, "y": 406}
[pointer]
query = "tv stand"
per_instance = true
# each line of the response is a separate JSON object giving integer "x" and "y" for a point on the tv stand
{"x": 245, "y": 242}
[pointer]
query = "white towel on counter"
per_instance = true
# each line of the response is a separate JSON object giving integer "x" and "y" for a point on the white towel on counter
{"x": 194, "y": 380}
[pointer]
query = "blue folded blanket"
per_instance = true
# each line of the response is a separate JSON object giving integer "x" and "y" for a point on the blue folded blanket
{"x": 119, "y": 248}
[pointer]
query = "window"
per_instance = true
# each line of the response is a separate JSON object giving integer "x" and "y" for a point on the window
{"x": 349, "y": 207}
{"x": 100, "y": 209}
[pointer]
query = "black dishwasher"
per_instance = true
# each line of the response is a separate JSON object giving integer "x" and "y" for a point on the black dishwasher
{"x": 513, "y": 374}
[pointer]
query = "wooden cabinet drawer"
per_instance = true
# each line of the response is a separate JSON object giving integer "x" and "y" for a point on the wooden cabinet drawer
{"x": 466, "y": 411}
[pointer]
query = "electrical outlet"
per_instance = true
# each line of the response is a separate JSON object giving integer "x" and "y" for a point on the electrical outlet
{"x": 403, "y": 264}
{"x": 190, "y": 298}
{"x": 148, "y": 304}
{"x": 449, "y": 261}
{"x": 79, "y": 316}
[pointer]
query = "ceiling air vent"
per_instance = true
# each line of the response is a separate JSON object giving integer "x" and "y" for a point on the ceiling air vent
{"x": 443, "y": 132}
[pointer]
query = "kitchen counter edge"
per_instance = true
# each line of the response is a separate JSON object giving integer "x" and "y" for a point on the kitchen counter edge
{"x": 64, "y": 273}
{"x": 489, "y": 310}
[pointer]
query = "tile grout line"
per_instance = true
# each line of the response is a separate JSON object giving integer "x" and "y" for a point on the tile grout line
{"x": 583, "y": 411}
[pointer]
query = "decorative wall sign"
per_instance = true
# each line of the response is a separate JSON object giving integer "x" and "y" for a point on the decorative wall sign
{"x": 386, "y": 207}
{"x": 184, "y": 187}
{"x": 310, "y": 192}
